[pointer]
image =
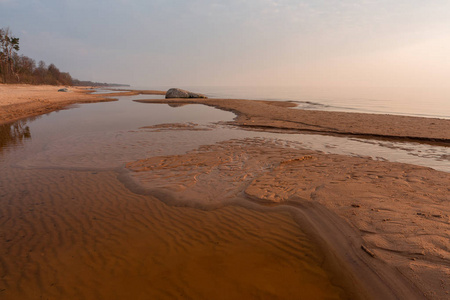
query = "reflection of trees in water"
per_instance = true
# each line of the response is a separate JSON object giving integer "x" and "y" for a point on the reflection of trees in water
{"x": 14, "y": 133}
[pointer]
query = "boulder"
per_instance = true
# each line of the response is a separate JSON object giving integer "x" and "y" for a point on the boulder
{"x": 179, "y": 93}
{"x": 63, "y": 90}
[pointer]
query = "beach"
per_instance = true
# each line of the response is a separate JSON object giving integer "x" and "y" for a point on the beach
{"x": 21, "y": 100}
{"x": 18, "y": 101}
{"x": 257, "y": 215}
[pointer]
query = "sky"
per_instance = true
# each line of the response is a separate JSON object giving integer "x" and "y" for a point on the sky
{"x": 364, "y": 43}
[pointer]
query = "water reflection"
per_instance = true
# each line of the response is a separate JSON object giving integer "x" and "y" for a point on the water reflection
{"x": 106, "y": 135}
{"x": 13, "y": 134}
{"x": 175, "y": 105}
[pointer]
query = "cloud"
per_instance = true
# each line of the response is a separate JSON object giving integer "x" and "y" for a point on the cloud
{"x": 233, "y": 41}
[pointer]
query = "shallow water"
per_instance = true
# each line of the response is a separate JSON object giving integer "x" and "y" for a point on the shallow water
{"x": 105, "y": 92}
{"x": 58, "y": 182}
{"x": 106, "y": 135}
{"x": 69, "y": 229}
{"x": 68, "y": 234}
{"x": 422, "y": 102}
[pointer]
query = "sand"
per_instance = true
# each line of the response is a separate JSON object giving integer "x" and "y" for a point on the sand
{"x": 83, "y": 235}
{"x": 399, "y": 213}
{"x": 238, "y": 219}
{"x": 282, "y": 115}
{"x": 18, "y": 101}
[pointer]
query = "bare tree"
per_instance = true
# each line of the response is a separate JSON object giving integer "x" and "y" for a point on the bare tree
{"x": 24, "y": 66}
{"x": 8, "y": 46}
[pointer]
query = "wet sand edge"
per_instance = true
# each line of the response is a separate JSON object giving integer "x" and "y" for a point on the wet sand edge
{"x": 355, "y": 267}
{"x": 279, "y": 115}
{"x": 20, "y": 101}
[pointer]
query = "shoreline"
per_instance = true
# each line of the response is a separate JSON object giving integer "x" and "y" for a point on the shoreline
{"x": 20, "y": 101}
{"x": 353, "y": 223}
{"x": 259, "y": 114}
{"x": 250, "y": 114}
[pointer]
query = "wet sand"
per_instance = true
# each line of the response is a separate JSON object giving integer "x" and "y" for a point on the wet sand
{"x": 238, "y": 219}
{"x": 379, "y": 220}
{"x": 282, "y": 115}
{"x": 20, "y": 101}
{"x": 83, "y": 235}
{"x": 400, "y": 213}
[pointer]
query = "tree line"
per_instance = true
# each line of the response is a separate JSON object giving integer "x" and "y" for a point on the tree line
{"x": 15, "y": 68}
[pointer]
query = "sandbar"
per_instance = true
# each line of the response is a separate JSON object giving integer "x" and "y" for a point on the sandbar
{"x": 395, "y": 216}
{"x": 259, "y": 114}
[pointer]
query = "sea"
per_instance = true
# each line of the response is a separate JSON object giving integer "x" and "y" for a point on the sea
{"x": 419, "y": 102}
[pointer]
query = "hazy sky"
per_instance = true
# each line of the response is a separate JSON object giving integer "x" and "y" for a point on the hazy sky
{"x": 238, "y": 42}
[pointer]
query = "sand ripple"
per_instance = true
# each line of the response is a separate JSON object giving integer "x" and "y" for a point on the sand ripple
{"x": 401, "y": 211}
{"x": 83, "y": 235}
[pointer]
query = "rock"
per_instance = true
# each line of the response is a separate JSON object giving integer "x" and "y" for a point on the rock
{"x": 63, "y": 90}
{"x": 179, "y": 93}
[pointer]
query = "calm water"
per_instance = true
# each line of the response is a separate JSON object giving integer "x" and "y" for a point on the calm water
{"x": 106, "y": 135}
{"x": 401, "y": 101}
{"x": 69, "y": 228}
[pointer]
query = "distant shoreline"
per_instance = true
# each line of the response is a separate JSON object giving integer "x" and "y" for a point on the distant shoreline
{"x": 84, "y": 83}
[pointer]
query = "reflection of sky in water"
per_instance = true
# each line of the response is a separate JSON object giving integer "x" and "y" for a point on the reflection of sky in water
{"x": 423, "y": 102}
{"x": 106, "y": 135}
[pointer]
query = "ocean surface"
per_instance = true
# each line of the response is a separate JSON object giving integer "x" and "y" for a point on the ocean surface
{"x": 420, "y": 102}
